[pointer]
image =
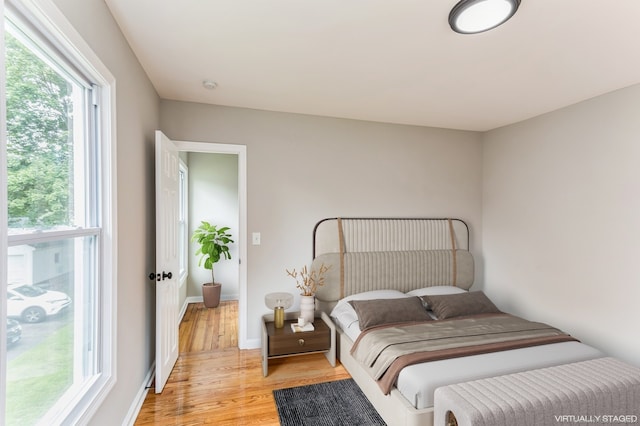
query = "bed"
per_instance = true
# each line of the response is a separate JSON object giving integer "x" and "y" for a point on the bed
{"x": 382, "y": 268}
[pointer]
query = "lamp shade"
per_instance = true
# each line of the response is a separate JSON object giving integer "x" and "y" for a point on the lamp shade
{"x": 273, "y": 300}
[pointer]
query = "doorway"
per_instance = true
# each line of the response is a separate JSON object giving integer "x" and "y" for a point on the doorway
{"x": 229, "y": 154}
{"x": 212, "y": 197}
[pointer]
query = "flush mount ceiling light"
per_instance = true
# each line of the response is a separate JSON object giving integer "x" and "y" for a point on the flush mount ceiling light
{"x": 476, "y": 16}
{"x": 209, "y": 84}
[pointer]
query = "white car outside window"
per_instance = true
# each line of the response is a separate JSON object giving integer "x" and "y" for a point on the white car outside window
{"x": 33, "y": 304}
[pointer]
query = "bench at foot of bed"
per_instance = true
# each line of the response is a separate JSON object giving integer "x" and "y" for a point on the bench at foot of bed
{"x": 569, "y": 393}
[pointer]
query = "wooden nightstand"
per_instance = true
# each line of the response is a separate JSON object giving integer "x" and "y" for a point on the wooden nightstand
{"x": 283, "y": 342}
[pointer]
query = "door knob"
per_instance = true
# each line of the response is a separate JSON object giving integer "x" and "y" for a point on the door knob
{"x": 158, "y": 277}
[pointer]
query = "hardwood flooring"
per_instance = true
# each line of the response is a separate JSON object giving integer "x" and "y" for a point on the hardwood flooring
{"x": 214, "y": 382}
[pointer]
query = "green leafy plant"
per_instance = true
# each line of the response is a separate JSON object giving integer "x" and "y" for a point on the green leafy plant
{"x": 213, "y": 244}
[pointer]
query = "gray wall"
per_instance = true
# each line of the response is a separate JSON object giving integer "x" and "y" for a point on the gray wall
{"x": 303, "y": 168}
{"x": 561, "y": 234}
{"x": 137, "y": 117}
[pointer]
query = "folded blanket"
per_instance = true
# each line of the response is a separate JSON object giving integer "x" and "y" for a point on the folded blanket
{"x": 385, "y": 350}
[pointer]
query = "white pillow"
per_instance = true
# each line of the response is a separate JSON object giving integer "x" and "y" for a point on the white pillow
{"x": 344, "y": 313}
{"x": 435, "y": 290}
{"x": 374, "y": 294}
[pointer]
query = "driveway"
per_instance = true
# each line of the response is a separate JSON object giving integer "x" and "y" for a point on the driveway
{"x": 33, "y": 334}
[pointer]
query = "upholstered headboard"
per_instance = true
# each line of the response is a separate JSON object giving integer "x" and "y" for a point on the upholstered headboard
{"x": 367, "y": 254}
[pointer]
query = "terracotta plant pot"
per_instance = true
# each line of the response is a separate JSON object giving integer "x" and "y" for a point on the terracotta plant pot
{"x": 211, "y": 294}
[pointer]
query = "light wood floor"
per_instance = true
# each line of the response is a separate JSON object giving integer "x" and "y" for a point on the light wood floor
{"x": 214, "y": 382}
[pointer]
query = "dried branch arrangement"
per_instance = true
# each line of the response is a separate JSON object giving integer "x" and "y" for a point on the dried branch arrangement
{"x": 309, "y": 281}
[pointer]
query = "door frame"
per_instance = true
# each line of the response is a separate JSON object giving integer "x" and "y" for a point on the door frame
{"x": 241, "y": 152}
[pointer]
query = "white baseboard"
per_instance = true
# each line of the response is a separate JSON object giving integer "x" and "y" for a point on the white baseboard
{"x": 198, "y": 299}
{"x": 183, "y": 310}
{"x": 252, "y": 344}
{"x": 193, "y": 299}
{"x": 134, "y": 410}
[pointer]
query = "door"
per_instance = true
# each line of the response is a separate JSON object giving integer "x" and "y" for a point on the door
{"x": 166, "y": 258}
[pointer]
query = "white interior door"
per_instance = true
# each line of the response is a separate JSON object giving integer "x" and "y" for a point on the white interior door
{"x": 167, "y": 262}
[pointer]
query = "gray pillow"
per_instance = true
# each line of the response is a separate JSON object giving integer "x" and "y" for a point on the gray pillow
{"x": 389, "y": 311}
{"x": 457, "y": 305}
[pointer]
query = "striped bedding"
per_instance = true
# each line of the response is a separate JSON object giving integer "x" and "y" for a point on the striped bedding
{"x": 599, "y": 391}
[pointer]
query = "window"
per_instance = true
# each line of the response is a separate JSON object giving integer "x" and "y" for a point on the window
{"x": 59, "y": 240}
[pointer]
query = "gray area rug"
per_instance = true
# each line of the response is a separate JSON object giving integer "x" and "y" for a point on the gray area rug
{"x": 333, "y": 403}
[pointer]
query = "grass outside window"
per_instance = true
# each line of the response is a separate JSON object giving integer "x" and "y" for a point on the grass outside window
{"x": 38, "y": 378}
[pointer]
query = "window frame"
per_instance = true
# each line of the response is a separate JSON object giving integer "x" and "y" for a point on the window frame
{"x": 183, "y": 170}
{"x": 4, "y": 251}
{"x": 49, "y": 20}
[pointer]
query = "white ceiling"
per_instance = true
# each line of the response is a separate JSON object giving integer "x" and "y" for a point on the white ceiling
{"x": 392, "y": 61}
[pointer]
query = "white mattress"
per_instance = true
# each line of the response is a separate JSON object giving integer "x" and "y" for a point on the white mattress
{"x": 417, "y": 383}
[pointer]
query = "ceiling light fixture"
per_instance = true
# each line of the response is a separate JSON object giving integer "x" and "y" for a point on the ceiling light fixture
{"x": 476, "y": 16}
{"x": 208, "y": 84}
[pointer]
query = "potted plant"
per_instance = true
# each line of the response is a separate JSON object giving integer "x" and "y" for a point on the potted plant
{"x": 213, "y": 246}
